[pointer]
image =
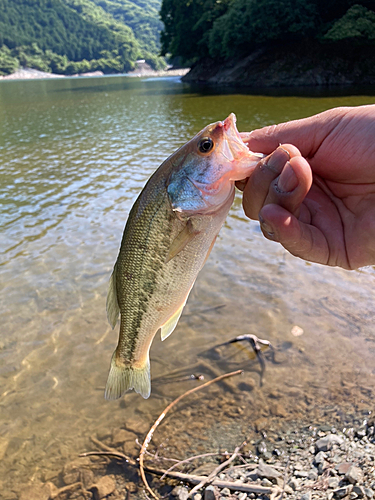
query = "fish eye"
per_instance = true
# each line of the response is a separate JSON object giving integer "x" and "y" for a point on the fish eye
{"x": 205, "y": 145}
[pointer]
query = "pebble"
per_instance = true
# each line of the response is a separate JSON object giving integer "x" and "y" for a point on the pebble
{"x": 333, "y": 482}
{"x": 103, "y": 487}
{"x": 209, "y": 493}
{"x": 320, "y": 457}
{"x": 242, "y": 496}
{"x": 326, "y": 443}
{"x": 369, "y": 493}
{"x": 225, "y": 492}
{"x": 354, "y": 475}
{"x": 306, "y": 496}
{"x": 267, "y": 471}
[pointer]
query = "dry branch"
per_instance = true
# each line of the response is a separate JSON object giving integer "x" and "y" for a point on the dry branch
{"x": 150, "y": 433}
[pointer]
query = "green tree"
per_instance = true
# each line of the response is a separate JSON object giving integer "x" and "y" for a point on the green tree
{"x": 358, "y": 23}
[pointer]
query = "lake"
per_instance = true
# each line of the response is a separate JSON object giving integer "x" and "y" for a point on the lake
{"x": 74, "y": 154}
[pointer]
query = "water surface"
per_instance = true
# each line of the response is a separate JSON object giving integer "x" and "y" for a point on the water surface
{"x": 74, "y": 154}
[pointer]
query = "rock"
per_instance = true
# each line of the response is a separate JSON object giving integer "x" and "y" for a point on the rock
{"x": 36, "y": 492}
{"x": 333, "y": 482}
{"x": 3, "y": 446}
{"x": 278, "y": 410}
{"x": 72, "y": 472}
{"x": 180, "y": 492}
{"x": 209, "y": 493}
{"x": 261, "y": 448}
{"x": 320, "y": 457}
{"x": 266, "y": 471}
{"x": 359, "y": 490}
{"x": 293, "y": 483}
{"x": 313, "y": 475}
{"x": 326, "y": 443}
{"x": 204, "y": 469}
{"x": 361, "y": 432}
{"x": 197, "y": 496}
{"x": 103, "y": 487}
{"x": 266, "y": 482}
{"x": 242, "y": 496}
{"x": 353, "y": 495}
{"x": 120, "y": 436}
{"x": 306, "y": 496}
{"x": 369, "y": 493}
{"x": 354, "y": 475}
{"x": 301, "y": 473}
{"x": 342, "y": 492}
{"x": 225, "y": 492}
{"x": 343, "y": 467}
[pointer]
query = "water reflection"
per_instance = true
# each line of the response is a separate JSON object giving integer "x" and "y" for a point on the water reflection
{"x": 73, "y": 156}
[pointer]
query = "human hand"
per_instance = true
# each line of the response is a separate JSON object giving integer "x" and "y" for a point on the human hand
{"x": 318, "y": 201}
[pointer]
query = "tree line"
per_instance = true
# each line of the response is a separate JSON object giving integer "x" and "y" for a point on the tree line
{"x": 75, "y": 36}
{"x": 224, "y": 29}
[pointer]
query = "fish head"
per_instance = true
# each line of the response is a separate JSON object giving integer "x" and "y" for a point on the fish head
{"x": 204, "y": 170}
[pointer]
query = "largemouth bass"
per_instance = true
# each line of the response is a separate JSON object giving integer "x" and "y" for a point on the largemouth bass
{"x": 169, "y": 234}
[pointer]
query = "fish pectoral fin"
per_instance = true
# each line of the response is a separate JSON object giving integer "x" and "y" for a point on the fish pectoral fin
{"x": 122, "y": 378}
{"x": 181, "y": 240}
{"x": 113, "y": 309}
{"x": 171, "y": 324}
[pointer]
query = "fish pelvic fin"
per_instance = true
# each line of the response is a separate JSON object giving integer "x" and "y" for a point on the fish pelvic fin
{"x": 123, "y": 378}
{"x": 113, "y": 309}
{"x": 171, "y": 324}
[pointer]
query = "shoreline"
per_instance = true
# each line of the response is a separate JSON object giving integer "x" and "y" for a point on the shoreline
{"x": 34, "y": 74}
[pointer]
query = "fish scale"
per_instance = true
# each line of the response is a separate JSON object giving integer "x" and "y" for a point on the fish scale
{"x": 167, "y": 239}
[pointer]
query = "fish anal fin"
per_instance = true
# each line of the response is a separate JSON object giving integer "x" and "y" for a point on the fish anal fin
{"x": 122, "y": 378}
{"x": 181, "y": 240}
{"x": 113, "y": 309}
{"x": 171, "y": 324}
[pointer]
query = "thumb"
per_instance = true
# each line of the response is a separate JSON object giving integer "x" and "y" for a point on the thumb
{"x": 306, "y": 134}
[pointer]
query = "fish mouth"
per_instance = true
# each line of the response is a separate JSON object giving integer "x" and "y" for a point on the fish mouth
{"x": 233, "y": 145}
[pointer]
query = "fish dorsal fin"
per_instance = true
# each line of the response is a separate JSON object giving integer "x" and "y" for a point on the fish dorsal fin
{"x": 112, "y": 306}
{"x": 171, "y": 324}
{"x": 181, "y": 240}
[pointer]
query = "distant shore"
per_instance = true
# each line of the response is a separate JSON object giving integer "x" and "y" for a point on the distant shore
{"x": 290, "y": 65}
{"x": 140, "y": 71}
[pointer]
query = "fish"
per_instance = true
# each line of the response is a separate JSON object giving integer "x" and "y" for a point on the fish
{"x": 168, "y": 237}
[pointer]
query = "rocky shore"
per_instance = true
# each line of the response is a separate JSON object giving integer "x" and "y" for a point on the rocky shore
{"x": 305, "y": 463}
{"x": 292, "y": 65}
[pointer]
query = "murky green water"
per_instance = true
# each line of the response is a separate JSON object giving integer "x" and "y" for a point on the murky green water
{"x": 74, "y": 154}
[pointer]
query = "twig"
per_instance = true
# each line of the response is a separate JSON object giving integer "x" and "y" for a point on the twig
{"x": 285, "y": 478}
{"x": 190, "y": 459}
{"x": 214, "y": 473}
{"x": 193, "y": 479}
{"x": 115, "y": 454}
{"x": 150, "y": 433}
{"x": 232, "y": 485}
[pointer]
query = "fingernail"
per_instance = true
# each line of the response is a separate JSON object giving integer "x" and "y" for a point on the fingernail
{"x": 287, "y": 181}
{"x": 266, "y": 228}
{"x": 277, "y": 160}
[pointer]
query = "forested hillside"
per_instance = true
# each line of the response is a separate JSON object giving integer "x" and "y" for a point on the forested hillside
{"x": 224, "y": 29}
{"x": 74, "y": 36}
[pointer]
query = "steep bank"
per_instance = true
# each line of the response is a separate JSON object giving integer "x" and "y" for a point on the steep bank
{"x": 311, "y": 64}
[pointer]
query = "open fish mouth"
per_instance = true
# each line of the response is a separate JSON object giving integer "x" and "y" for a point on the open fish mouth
{"x": 233, "y": 146}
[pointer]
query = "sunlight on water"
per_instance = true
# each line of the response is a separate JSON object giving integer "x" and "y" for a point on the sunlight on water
{"x": 74, "y": 154}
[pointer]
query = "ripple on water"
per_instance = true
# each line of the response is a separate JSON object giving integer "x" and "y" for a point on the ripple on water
{"x": 73, "y": 157}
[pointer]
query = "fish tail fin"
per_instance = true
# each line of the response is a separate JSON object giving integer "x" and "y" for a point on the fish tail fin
{"x": 122, "y": 378}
